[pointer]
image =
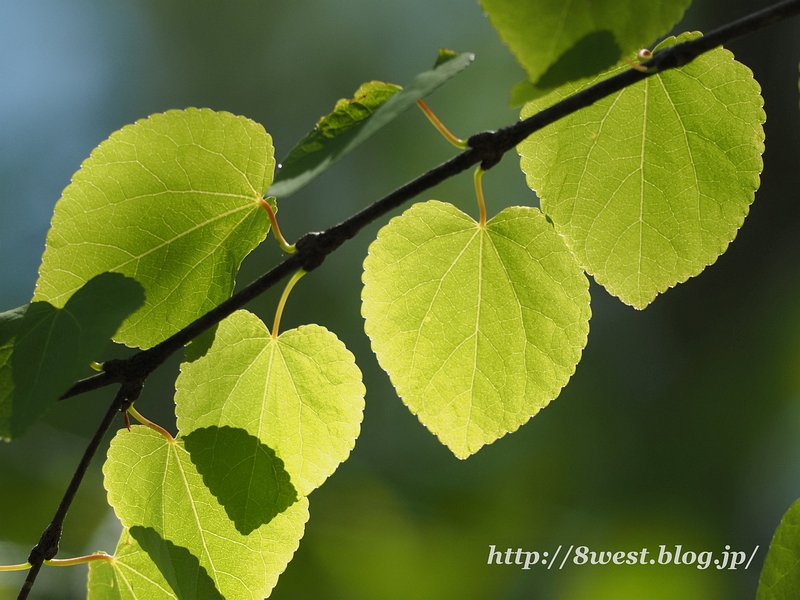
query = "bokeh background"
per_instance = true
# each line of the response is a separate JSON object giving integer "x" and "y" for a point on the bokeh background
{"x": 681, "y": 425}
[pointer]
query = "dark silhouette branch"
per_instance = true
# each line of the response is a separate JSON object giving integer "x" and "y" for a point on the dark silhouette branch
{"x": 47, "y": 547}
{"x": 486, "y": 148}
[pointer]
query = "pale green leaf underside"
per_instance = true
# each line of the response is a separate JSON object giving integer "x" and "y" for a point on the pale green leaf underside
{"x": 650, "y": 185}
{"x": 382, "y": 104}
{"x": 301, "y": 395}
{"x": 478, "y": 328}
{"x": 43, "y": 349}
{"x": 171, "y": 201}
{"x": 154, "y": 486}
{"x": 543, "y": 33}
{"x": 780, "y": 576}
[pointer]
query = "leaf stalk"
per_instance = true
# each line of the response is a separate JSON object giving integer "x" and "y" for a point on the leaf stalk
{"x": 150, "y": 424}
{"x": 276, "y": 230}
{"x": 457, "y": 142}
{"x": 282, "y": 303}
{"x": 479, "y": 193}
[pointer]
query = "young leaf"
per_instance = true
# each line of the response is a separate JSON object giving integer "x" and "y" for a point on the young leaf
{"x": 159, "y": 495}
{"x": 556, "y": 42}
{"x": 478, "y": 328}
{"x": 173, "y": 201}
{"x": 44, "y": 349}
{"x": 374, "y": 105}
{"x": 780, "y": 577}
{"x": 300, "y": 394}
{"x": 650, "y": 185}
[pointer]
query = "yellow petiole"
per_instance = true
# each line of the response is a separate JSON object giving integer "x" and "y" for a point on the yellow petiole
{"x": 457, "y": 142}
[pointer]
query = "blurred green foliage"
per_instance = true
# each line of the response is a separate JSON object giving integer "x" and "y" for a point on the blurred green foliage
{"x": 680, "y": 426}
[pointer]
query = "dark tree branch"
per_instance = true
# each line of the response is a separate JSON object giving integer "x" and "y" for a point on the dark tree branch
{"x": 486, "y": 148}
{"x": 47, "y": 547}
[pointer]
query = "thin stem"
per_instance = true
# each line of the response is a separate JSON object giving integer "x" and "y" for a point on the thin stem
{"x": 457, "y": 142}
{"x": 279, "y": 311}
{"x": 47, "y": 547}
{"x": 636, "y": 66}
{"x": 8, "y": 568}
{"x": 276, "y": 231}
{"x": 484, "y": 148}
{"x": 150, "y": 424}
{"x": 479, "y": 193}
{"x": 79, "y": 560}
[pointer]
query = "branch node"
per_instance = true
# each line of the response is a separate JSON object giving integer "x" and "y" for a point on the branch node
{"x": 129, "y": 393}
{"x": 47, "y": 547}
{"x": 486, "y": 145}
{"x": 312, "y": 249}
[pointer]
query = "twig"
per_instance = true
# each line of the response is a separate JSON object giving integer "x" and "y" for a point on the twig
{"x": 486, "y": 148}
{"x": 47, "y": 547}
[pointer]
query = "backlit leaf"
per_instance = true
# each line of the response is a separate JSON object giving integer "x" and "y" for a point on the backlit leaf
{"x": 300, "y": 394}
{"x": 171, "y": 201}
{"x": 650, "y": 185}
{"x": 780, "y": 576}
{"x": 374, "y": 105}
{"x": 558, "y": 41}
{"x": 43, "y": 349}
{"x": 159, "y": 495}
{"x": 133, "y": 575}
{"x": 478, "y": 328}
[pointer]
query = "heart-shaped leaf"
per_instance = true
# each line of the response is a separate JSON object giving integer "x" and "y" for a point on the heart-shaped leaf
{"x": 172, "y": 201}
{"x": 650, "y": 185}
{"x": 300, "y": 394}
{"x": 557, "y": 42}
{"x": 156, "y": 490}
{"x": 478, "y": 327}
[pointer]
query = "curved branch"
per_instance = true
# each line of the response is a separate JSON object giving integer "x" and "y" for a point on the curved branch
{"x": 47, "y": 547}
{"x": 486, "y": 148}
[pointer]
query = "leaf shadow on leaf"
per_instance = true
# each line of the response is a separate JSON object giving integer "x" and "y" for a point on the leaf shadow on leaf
{"x": 593, "y": 53}
{"x": 182, "y": 570}
{"x": 43, "y": 349}
{"x": 200, "y": 345}
{"x": 246, "y": 476}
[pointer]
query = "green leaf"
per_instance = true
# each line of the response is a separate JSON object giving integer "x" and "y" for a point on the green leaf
{"x": 444, "y": 55}
{"x": 154, "y": 486}
{"x": 650, "y": 185}
{"x": 172, "y": 201}
{"x": 43, "y": 349}
{"x": 375, "y": 104}
{"x": 300, "y": 394}
{"x": 780, "y": 576}
{"x": 246, "y": 476}
{"x": 556, "y": 41}
{"x": 478, "y": 328}
{"x": 131, "y": 576}
{"x": 134, "y": 575}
